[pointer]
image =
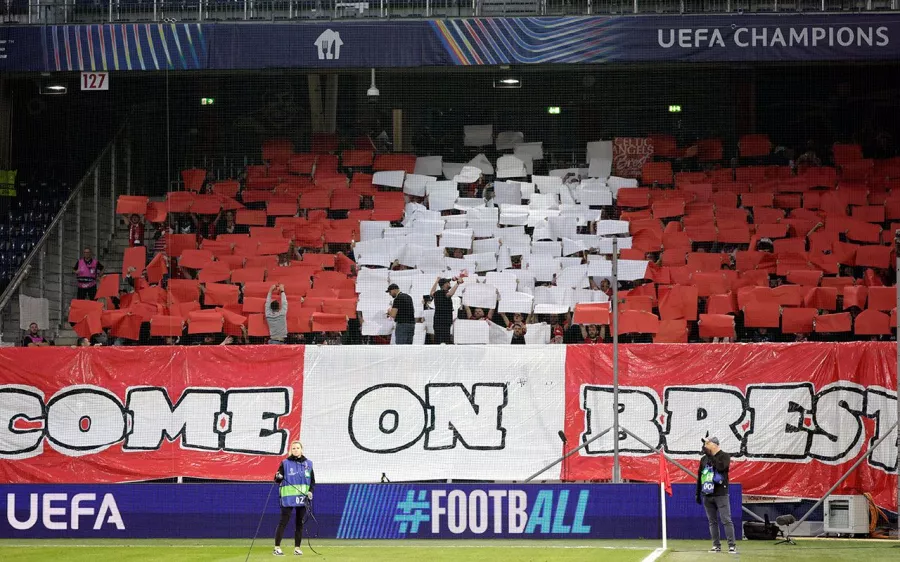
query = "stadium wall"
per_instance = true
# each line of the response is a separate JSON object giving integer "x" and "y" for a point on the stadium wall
{"x": 794, "y": 416}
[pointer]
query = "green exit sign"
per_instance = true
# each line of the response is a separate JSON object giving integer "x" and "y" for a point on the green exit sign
{"x": 553, "y": 110}
{"x": 674, "y": 109}
{"x": 207, "y": 101}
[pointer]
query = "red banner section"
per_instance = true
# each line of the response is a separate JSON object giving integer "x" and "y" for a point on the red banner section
{"x": 140, "y": 413}
{"x": 794, "y": 417}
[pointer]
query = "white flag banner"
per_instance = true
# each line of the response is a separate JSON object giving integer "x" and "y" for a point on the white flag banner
{"x": 482, "y": 163}
{"x": 499, "y": 335}
{"x": 599, "y": 267}
{"x": 442, "y": 201}
{"x": 482, "y": 262}
{"x": 608, "y": 228}
{"x": 452, "y": 169}
{"x": 522, "y": 303}
{"x": 371, "y": 280}
{"x": 507, "y": 140}
{"x": 428, "y": 399}
{"x": 369, "y": 230}
{"x": 632, "y": 270}
{"x": 547, "y": 184}
{"x": 438, "y": 186}
{"x": 461, "y": 238}
{"x": 479, "y": 295}
{"x": 510, "y": 166}
{"x": 471, "y": 332}
{"x": 483, "y": 228}
{"x": 410, "y": 255}
{"x": 431, "y": 260}
{"x": 478, "y": 135}
{"x": 455, "y": 222}
{"x": 551, "y": 309}
{"x": 531, "y": 150}
{"x": 504, "y": 281}
{"x": 600, "y": 168}
{"x": 377, "y": 326}
{"x": 428, "y": 226}
{"x": 573, "y": 277}
{"x": 388, "y": 179}
{"x": 485, "y": 245}
{"x": 507, "y": 193}
{"x": 563, "y": 227}
{"x": 599, "y": 149}
{"x": 605, "y": 245}
{"x": 414, "y": 184}
{"x": 602, "y": 197}
{"x": 616, "y": 183}
{"x": 538, "y": 334}
{"x": 429, "y": 165}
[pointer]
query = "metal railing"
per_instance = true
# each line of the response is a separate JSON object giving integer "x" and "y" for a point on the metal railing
{"x": 86, "y": 219}
{"x": 98, "y": 11}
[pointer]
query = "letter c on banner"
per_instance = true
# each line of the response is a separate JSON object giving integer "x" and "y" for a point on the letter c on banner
{"x": 386, "y": 418}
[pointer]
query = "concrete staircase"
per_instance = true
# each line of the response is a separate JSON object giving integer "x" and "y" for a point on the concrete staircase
{"x": 87, "y": 219}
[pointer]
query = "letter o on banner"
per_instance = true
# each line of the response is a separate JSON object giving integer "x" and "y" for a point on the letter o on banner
{"x": 478, "y": 512}
{"x": 387, "y": 418}
{"x": 456, "y": 511}
{"x": 84, "y": 420}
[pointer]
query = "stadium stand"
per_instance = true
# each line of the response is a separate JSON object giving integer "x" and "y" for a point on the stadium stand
{"x": 748, "y": 254}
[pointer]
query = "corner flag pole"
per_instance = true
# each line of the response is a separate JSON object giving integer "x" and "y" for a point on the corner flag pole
{"x": 662, "y": 502}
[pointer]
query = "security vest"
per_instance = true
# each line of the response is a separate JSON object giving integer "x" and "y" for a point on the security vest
{"x": 296, "y": 482}
{"x": 87, "y": 273}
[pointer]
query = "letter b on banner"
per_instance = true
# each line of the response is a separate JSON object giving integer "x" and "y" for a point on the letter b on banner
{"x": 638, "y": 412}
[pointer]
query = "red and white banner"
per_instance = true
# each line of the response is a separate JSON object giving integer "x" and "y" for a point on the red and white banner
{"x": 91, "y": 415}
{"x": 630, "y": 154}
{"x": 794, "y": 417}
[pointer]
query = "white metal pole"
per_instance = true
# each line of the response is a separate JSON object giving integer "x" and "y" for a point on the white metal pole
{"x": 617, "y": 476}
{"x": 662, "y": 502}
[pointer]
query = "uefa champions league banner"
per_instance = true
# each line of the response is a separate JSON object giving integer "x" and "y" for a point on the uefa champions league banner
{"x": 794, "y": 417}
{"x": 449, "y": 42}
{"x": 356, "y": 511}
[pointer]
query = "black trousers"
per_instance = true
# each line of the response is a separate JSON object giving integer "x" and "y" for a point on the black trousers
{"x": 87, "y": 293}
{"x": 298, "y": 524}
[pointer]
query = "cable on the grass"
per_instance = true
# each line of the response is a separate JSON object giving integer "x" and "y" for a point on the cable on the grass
{"x": 309, "y": 513}
{"x": 258, "y": 525}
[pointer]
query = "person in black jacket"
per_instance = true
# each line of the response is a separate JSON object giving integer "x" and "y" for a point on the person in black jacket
{"x": 712, "y": 492}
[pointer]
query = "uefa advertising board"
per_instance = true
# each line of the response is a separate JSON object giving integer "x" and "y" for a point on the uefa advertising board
{"x": 356, "y": 511}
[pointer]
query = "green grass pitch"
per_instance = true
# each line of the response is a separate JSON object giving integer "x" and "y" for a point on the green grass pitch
{"x": 438, "y": 551}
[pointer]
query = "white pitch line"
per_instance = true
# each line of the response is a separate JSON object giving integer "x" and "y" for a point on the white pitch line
{"x": 557, "y": 546}
{"x": 654, "y": 555}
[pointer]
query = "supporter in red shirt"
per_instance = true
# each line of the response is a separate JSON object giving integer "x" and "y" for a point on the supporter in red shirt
{"x": 592, "y": 333}
{"x": 135, "y": 231}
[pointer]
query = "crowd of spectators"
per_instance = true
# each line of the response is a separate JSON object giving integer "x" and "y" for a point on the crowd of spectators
{"x": 713, "y": 256}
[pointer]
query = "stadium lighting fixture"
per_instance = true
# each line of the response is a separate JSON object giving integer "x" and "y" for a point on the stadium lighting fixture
{"x": 372, "y": 93}
{"x": 51, "y": 86}
{"x": 508, "y": 82}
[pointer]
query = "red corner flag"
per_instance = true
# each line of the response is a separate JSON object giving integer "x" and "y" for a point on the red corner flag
{"x": 664, "y": 474}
